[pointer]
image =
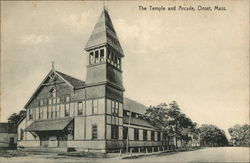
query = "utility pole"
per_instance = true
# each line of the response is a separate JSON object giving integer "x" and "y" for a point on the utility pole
{"x": 128, "y": 131}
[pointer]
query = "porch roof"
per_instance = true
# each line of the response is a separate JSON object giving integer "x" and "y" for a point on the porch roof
{"x": 137, "y": 121}
{"x": 49, "y": 124}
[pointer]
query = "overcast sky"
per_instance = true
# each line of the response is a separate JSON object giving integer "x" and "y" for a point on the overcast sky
{"x": 199, "y": 59}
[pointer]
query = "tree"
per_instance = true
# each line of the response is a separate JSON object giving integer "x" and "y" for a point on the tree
{"x": 240, "y": 134}
{"x": 168, "y": 119}
{"x": 15, "y": 118}
{"x": 211, "y": 135}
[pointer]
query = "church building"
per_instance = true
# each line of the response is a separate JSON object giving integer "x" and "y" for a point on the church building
{"x": 65, "y": 113}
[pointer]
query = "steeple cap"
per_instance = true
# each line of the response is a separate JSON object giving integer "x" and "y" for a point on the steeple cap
{"x": 104, "y": 34}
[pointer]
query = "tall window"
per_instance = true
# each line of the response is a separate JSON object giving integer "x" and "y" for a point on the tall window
{"x": 49, "y": 112}
{"x": 136, "y": 134}
{"x": 54, "y": 93}
{"x": 94, "y": 132}
{"x": 91, "y": 59}
{"x": 159, "y": 136}
{"x": 67, "y": 110}
{"x": 125, "y": 133}
{"x": 109, "y": 56}
{"x": 41, "y": 103}
{"x": 40, "y": 113}
{"x": 95, "y": 107}
{"x": 21, "y": 134}
{"x": 152, "y": 135}
{"x": 30, "y": 113}
{"x": 114, "y": 131}
{"x": 53, "y": 113}
{"x": 97, "y": 56}
{"x": 57, "y": 111}
{"x": 80, "y": 108}
{"x": 116, "y": 108}
{"x": 102, "y": 58}
{"x": 119, "y": 63}
{"x": 145, "y": 135}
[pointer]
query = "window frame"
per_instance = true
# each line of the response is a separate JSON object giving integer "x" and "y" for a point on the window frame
{"x": 136, "y": 134}
{"x": 94, "y": 132}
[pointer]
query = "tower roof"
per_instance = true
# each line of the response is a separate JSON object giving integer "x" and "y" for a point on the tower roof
{"x": 104, "y": 34}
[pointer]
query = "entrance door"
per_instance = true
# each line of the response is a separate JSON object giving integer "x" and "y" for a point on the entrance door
{"x": 11, "y": 144}
{"x": 44, "y": 141}
{"x": 62, "y": 140}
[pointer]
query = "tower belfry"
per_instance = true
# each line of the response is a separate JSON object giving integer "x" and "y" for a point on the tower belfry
{"x": 105, "y": 54}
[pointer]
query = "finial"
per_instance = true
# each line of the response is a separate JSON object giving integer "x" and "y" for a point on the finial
{"x": 53, "y": 66}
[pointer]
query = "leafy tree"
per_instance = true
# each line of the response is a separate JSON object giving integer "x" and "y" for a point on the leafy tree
{"x": 211, "y": 135}
{"x": 15, "y": 118}
{"x": 240, "y": 134}
{"x": 169, "y": 119}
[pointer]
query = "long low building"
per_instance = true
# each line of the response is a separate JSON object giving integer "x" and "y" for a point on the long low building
{"x": 67, "y": 113}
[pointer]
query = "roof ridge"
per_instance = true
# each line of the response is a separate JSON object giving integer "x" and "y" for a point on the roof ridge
{"x": 69, "y": 76}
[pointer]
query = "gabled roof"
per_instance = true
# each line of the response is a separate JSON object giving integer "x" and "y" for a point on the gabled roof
{"x": 104, "y": 34}
{"x": 134, "y": 106}
{"x": 49, "y": 124}
{"x": 76, "y": 83}
{"x": 71, "y": 81}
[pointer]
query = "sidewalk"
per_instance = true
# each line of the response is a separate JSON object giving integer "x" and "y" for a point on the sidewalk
{"x": 137, "y": 155}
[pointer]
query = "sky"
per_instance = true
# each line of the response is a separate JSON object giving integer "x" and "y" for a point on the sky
{"x": 198, "y": 58}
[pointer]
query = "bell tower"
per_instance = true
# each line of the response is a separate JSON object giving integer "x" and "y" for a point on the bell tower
{"x": 105, "y": 54}
{"x": 104, "y": 80}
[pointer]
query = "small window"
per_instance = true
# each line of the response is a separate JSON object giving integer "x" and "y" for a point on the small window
{"x": 58, "y": 100}
{"x": 94, "y": 132}
{"x": 67, "y": 110}
{"x": 67, "y": 98}
{"x": 152, "y": 135}
{"x": 50, "y": 101}
{"x": 95, "y": 107}
{"x": 136, "y": 134}
{"x": 41, "y": 103}
{"x": 54, "y": 100}
{"x": 80, "y": 108}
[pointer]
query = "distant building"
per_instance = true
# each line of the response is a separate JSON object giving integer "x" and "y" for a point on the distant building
{"x": 8, "y": 136}
{"x": 68, "y": 113}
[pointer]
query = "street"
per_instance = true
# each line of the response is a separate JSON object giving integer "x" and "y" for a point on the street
{"x": 219, "y": 154}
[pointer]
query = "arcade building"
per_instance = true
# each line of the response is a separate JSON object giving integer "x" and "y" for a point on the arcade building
{"x": 65, "y": 113}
